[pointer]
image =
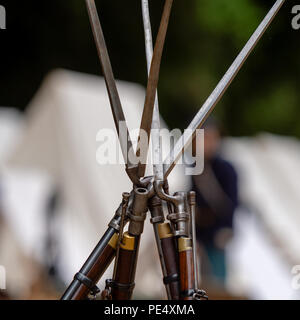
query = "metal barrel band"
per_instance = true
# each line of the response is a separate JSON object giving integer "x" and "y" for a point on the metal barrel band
{"x": 179, "y": 233}
{"x": 155, "y": 202}
{"x": 200, "y": 295}
{"x": 121, "y": 286}
{"x": 196, "y": 294}
{"x": 115, "y": 221}
{"x": 158, "y": 219}
{"x": 114, "y": 224}
{"x": 187, "y": 293}
{"x": 176, "y": 217}
{"x": 137, "y": 218}
{"x": 171, "y": 278}
{"x": 87, "y": 282}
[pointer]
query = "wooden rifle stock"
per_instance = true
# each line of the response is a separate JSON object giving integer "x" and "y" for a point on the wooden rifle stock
{"x": 96, "y": 264}
{"x": 187, "y": 276}
{"x": 98, "y": 269}
{"x": 168, "y": 245}
{"x": 123, "y": 283}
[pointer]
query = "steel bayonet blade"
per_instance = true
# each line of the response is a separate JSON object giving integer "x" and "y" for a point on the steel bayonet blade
{"x": 219, "y": 91}
{"x": 155, "y": 133}
{"x": 147, "y": 116}
{"x": 116, "y": 107}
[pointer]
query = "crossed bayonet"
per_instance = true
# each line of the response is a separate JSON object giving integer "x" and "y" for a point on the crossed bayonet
{"x": 150, "y": 126}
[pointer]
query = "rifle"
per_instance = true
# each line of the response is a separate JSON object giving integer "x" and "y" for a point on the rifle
{"x": 176, "y": 241}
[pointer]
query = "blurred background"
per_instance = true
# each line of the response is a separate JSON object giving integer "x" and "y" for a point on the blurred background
{"x": 55, "y": 200}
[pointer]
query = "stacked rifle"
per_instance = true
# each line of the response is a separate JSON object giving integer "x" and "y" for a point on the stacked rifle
{"x": 175, "y": 231}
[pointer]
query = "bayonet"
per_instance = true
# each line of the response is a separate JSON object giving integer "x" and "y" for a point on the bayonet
{"x": 133, "y": 170}
{"x": 116, "y": 107}
{"x": 147, "y": 116}
{"x": 155, "y": 133}
{"x": 136, "y": 203}
{"x": 165, "y": 243}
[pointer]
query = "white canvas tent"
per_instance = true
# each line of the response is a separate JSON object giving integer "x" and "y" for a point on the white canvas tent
{"x": 266, "y": 246}
{"x": 12, "y": 255}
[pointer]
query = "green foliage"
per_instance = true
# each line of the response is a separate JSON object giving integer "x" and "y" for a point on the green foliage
{"x": 203, "y": 39}
{"x": 272, "y": 110}
{"x": 264, "y": 96}
{"x": 236, "y": 18}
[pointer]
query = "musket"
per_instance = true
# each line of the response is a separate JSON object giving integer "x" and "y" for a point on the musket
{"x": 188, "y": 279}
{"x": 122, "y": 284}
{"x": 180, "y": 218}
{"x": 81, "y": 280}
{"x": 164, "y": 238}
{"x": 85, "y": 281}
{"x": 92, "y": 264}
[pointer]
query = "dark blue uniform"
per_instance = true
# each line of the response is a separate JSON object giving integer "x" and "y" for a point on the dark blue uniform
{"x": 216, "y": 203}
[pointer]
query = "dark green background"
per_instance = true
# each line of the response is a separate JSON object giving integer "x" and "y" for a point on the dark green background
{"x": 204, "y": 37}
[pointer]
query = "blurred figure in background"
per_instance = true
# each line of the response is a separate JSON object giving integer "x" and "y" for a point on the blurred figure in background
{"x": 217, "y": 198}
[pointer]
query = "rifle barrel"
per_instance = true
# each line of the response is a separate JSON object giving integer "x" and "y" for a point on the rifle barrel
{"x": 73, "y": 292}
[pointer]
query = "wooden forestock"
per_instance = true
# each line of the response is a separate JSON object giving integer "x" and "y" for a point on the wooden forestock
{"x": 123, "y": 284}
{"x": 187, "y": 276}
{"x": 99, "y": 267}
{"x": 171, "y": 259}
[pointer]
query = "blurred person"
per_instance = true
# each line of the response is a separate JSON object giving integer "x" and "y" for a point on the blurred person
{"x": 217, "y": 198}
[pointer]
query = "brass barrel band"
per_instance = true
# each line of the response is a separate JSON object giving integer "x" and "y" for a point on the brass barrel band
{"x": 184, "y": 244}
{"x": 114, "y": 241}
{"x": 128, "y": 242}
{"x": 165, "y": 231}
